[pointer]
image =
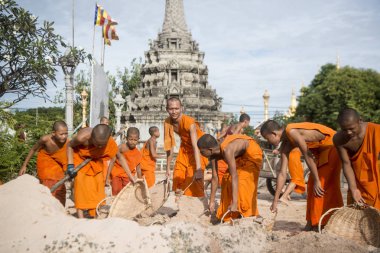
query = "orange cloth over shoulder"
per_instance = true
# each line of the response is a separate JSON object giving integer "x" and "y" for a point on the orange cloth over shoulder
{"x": 148, "y": 166}
{"x": 296, "y": 170}
{"x": 50, "y": 169}
{"x": 52, "y": 166}
{"x": 329, "y": 167}
{"x": 248, "y": 168}
{"x": 89, "y": 183}
{"x": 185, "y": 165}
{"x": 366, "y": 166}
{"x": 133, "y": 158}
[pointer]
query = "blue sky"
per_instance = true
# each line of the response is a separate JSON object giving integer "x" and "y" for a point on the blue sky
{"x": 250, "y": 45}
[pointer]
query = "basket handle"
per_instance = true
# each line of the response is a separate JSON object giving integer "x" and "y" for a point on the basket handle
{"x": 98, "y": 205}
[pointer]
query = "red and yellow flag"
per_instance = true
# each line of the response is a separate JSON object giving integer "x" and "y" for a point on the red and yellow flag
{"x": 102, "y": 17}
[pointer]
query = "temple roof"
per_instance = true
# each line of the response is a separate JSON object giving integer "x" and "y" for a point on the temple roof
{"x": 174, "y": 17}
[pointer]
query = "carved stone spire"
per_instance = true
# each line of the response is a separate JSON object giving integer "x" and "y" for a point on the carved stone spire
{"x": 174, "y": 17}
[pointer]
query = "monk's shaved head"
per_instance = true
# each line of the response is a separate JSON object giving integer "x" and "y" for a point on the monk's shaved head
{"x": 269, "y": 127}
{"x": 173, "y": 99}
{"x": 207, "y": 141}
{"x": 244, "y": 117}
{"x": 153, "y": 129}
{"x": 348, "y": 114}
{"x": 133, "y": 131}
{"x": 59, "y": 124}
{"x": 100, "y": 134}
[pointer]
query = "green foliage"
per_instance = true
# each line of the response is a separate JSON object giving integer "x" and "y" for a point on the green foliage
{"x": 35, "y": 122}
{"x": 335, "y": 89}
{"x": 27, "y": 53}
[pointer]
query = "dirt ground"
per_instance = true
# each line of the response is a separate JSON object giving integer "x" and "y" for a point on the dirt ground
{"x": 33, "y": 221}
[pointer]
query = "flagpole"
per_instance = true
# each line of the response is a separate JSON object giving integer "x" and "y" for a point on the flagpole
{"x": 101, "y": 50}
{"x": 104, "y": 50}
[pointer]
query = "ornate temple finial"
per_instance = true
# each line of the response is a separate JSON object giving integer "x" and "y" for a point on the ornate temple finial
{"x": 337, "y": 62}
{"x": 174, "y": 17}
{"x": 293, "y": 104}
{"x": 266, "y": 97}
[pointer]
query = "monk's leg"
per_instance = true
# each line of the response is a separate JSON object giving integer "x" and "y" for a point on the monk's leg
{"x": 286, "y": 196}
{"x": 80, "y": 213}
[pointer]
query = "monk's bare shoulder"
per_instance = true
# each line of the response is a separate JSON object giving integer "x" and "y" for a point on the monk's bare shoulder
{"x": 123, "y": 147}
{"x": 339, "y": 139}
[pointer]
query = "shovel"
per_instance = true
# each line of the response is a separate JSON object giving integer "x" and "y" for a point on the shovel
{"x": 67, "y": 177}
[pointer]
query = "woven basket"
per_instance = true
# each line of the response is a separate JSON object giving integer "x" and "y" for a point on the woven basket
{"x": 354, "y": 222}
{"x": 159, "y": 193}
{"x": 131, "y": 201}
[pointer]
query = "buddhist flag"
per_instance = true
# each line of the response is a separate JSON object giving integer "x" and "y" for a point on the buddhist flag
{"x": 109, "y": 33}
{"x": 102, "y": 17}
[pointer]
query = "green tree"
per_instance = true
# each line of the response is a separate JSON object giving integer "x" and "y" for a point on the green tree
{"x": 27, "y": 54}
{"x": 335, "y": 89}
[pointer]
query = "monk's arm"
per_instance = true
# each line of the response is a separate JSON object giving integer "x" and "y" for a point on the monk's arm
{"x": 197, "y": 155}
{"x": 32, "y": 151}
{"x": 214, "y": 184}
{"x": 124, "y": 165}
{"x": 281, "y": 179}
{"x": 348, "y": 171}
{"x": 169, "y": 158}
{"x": 301, "y": 143}
{"x": 229, "y": 157}
{"x": 110, "y": 167}
{"x": 138, "y": 171}
{"x": 152, "y": 149}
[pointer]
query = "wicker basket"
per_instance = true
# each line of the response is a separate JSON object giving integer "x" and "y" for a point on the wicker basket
{"x": 131, "y": 201}
{"x": 354, "y": 222}
{"x": 159, "y": 193}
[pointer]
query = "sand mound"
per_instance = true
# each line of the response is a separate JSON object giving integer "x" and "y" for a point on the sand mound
{"x": 311, "y": 242}
{"x": 34, "y": 221}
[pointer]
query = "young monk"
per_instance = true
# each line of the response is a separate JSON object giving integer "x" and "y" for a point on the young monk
{"x": 316, "y": 145}
{"x": 189, "y": 166}
{"x": 104, "y": 120}
{"x": 149, "y": 156}
{"x": 239, "y": 184}
{"x": 358, "y": 145}
{"x": 238, "y": 128}
{"x": 95, "y": 143}
{"x": 51, "y": 159}
{"x": 119, "y": 177}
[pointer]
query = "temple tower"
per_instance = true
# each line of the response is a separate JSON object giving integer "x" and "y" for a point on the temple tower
{"x": 174, "y": 67}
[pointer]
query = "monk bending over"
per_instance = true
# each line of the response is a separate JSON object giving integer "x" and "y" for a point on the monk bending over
{"x": 149, "y": 156}
{"x": 119, "y": 176}
{"x": 239, "y": 184}
{"x": 189, "y": 166}
{"x": 358, "y": 145}
{"x": 51, "y": 159}
{"x": 316, "y": 145}
{"x": 95, "y": 143}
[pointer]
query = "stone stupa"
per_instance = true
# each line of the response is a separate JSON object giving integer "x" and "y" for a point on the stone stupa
{"x": 174, "y": 67}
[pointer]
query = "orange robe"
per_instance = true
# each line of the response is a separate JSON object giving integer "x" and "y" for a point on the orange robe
{"x": 329, "y": 167}
{"x": 148, "y": 166}
{"x": 296, "y": 170}
{"x": 366, "y": 166}
{"x": 248, "y": 168}
{"x": 89, "y": 183}
{"x": 50, "y": 169}
{"x": 118, "y": 175}
{"x": 185, "y": 165}
{"x": 222, "y": 168}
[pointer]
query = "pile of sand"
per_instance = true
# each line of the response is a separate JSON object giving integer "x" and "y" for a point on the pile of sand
{"x": 34, "y": 221}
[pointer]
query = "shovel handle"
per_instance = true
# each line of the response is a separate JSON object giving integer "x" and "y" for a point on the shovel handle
{"x": 67, "y": 177}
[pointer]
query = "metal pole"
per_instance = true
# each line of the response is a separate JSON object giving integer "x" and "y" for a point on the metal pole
{"x": 73, "y": 14}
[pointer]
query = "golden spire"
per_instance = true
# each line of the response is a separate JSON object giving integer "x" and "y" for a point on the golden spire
{"x": 337, "y": 62}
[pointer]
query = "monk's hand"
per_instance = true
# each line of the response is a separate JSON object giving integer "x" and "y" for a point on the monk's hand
{"x": 211, "y": 206}
{"x": 167, "y": 174}
{"x": 233, "y": 207}
{"x": 71, "y": 171}
{"x": 357, "y": 196}
{"x": 22, "y": 171}
{"x": 273, "y": 207}
{"x": 318, "y": 190}
{"x": 198, "y": 174}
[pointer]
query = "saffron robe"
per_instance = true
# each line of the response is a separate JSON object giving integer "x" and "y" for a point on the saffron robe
{"x": 148, "y": 166}
{"x": 329, "y": 167}
{"x": 185, "y": 165}
{"x": 248, "y": 168}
